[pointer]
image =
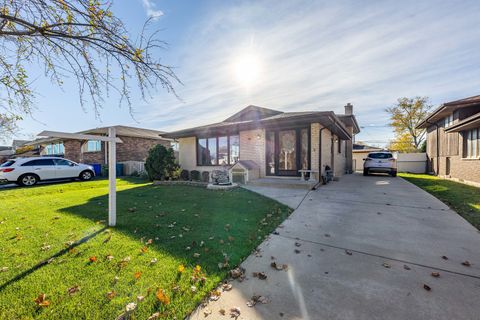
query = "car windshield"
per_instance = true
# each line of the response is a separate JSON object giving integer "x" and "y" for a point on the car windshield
{"x": 380, "y": 155}
{"x": 7, "y": 164}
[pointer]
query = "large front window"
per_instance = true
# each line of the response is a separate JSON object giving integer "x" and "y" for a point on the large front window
{"x": 221, "y": 150}
{"x": 472, "y": 145}
{"x": 92, "y": 146}
{"x": 54, "y": 149}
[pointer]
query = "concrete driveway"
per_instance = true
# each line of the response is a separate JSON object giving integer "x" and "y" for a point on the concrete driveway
{"x": 362, "y": 248}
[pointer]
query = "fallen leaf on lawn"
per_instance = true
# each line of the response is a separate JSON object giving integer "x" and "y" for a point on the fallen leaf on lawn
{"x": 226, "y": 287}
{"x": 132, "y": 209}
{"x": 235, "y": 312}
{"x": 46, "y": 247}
{"x": 162, "y": 297}
{"x": 196, "y": 255}
{"x": 259, "y": 275}
{"x": 154, "y": 316}
{"x": 406, "y": 267}
{"x": 107, "y": 238}
{"x": 111, "y": 294}
{"x": 73, "y": 290}
{"x": 386, "y": 265}
{"x": 193, "y": 289}
{"x": 137, "y": 275}
{"x": 149, "y": 241}
{"x": 144, "y": 249}
{"x": 130, "y": 307}
{"x": 227, "y": 226}
{"x": 115, "y": 279}
{"x": 140, "y": 298}
{"x": 3, "y": 269}
{"x": 426, "y": 287}
{"x": 230, "y": 238}
{"x": 466, "y": 263}
{"x": 188, "y": 248}
{"x": 41, "y": 302}
{"x": 92, "y": 259}
{"x": 154, "y": 260}
{"x": 109, "y": 257}
{"x": 435, "y": 274}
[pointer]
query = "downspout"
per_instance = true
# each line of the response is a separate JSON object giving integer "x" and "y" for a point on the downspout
{"x": 438, "y": 145}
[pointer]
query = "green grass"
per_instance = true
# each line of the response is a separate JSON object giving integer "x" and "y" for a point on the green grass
{"x": 462, "y": 198}
{"x": 213, "y": 224}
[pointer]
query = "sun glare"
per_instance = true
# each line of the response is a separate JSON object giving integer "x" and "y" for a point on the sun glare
{"x": 247, "y": 69}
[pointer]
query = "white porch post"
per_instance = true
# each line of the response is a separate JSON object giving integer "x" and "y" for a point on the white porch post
{"x": 112, "y": 176}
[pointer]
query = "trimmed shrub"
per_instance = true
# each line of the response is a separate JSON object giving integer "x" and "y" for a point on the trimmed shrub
{"x": 184, "y": 175}
{"x": 160, "y": 164}
{"x": 205, "y": 176}
{"x": 195, "y": 175}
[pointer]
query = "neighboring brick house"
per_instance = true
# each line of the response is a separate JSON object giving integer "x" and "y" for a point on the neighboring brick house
{"x": 453, "y": 140}
{"x": 136, "y": 142}
{"x": 280, "y": 143}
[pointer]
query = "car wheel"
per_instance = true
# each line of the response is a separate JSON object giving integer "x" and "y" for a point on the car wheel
{"x": 365, "y": 172}
{"x": 86, "y": 175}
{"x": 28, "y": 180}
{"x": 393, "y": 173}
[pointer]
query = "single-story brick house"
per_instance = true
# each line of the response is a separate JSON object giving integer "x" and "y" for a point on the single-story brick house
{"x": 453, "y": 140}
{"x": 279, "y": 143}
{"x": 136, "y": 142}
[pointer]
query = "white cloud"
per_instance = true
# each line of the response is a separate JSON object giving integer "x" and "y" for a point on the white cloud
{"x": 150, "y": 9}
{"x": 319, "y": 56}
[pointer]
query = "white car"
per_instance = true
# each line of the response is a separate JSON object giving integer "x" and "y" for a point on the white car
{"x": 380, "y": 162}
{"x": 28, "y": 171}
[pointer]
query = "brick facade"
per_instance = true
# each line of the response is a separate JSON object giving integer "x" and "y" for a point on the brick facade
{"x": 132, "y": 149}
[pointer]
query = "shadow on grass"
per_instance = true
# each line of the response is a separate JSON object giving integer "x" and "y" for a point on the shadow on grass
{"x": 47, "y": 261}
{"x": 462, "y": 198}
{"x": 211, "y": 223}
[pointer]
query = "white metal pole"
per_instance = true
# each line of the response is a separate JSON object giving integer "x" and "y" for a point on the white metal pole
{"x": 112, "y": 175}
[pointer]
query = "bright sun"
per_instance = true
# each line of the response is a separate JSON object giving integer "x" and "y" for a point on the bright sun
{"x": 247, "y": 69}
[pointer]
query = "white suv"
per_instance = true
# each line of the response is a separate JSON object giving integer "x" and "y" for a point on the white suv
{"x": 28, "y": 171}
{"x": 380, "y": 162}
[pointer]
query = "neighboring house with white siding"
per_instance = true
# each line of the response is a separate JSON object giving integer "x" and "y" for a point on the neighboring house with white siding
{"x": 280, "y": 143}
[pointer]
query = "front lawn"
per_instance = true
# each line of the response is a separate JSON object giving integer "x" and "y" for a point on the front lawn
{"x": 54, "y": 241}
{"x": 462, "y": 198}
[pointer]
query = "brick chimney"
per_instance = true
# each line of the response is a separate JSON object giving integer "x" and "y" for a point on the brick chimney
{"x": 349, "y": 109}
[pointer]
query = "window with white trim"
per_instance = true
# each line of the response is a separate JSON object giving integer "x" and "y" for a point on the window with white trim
{"x": 449, "y": 120}
{"x": 92, "y": 146}
{"x": 472, "y": 144}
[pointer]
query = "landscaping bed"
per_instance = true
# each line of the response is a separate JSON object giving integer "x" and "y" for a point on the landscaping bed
{"x": 171, "y": 247}
{"x": 462, "y": 198}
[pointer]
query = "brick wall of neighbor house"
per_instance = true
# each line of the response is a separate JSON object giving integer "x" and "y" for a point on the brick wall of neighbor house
{"x": 136, "y": 149}
{"x": 132, "y": 149}
{"x": 451, "y": 147}
{"x": 252, "y": 147}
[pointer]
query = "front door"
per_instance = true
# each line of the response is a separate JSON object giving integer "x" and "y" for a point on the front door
{"x": 287, "y": 151}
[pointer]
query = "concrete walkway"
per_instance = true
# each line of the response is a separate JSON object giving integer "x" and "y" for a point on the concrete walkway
{"x": 366, "y": 247}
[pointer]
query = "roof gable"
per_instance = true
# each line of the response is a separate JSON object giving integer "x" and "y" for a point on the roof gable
{"x": 252, "y": 113}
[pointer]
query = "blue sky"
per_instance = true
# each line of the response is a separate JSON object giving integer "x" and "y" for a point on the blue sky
{"x": 310, "y": 55}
